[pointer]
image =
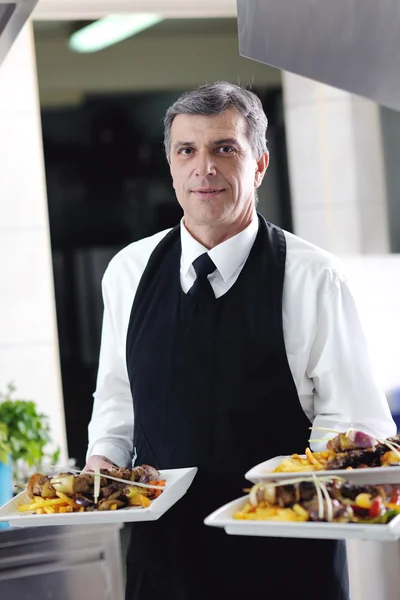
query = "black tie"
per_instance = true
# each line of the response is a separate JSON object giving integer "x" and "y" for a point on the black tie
{"x": 201, "y": 289}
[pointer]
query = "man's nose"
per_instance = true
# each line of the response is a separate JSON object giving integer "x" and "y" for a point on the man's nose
{"x": 205, "y": 164}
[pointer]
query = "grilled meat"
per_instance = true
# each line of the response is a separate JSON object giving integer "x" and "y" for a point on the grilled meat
{"x": 39, "y": 485}
{"x": 340, "y": 512}
{"x": 352, "y": 440}
{"x": 119, "y": 472}
{"x": 142, "y": 473}
{"x": 83, "y": 483}
{"x": 351, "y": 491}
{"x": 287, "y": 495}
{"x": 354, "y": 458}
{"x": 111, "y": 489}
{"x": 145, "y": 473}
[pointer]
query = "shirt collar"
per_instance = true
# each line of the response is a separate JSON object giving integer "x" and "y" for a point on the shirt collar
{"x": 227, "y": 256}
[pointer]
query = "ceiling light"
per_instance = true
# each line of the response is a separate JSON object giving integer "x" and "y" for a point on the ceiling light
{"x": 110, "y": 30}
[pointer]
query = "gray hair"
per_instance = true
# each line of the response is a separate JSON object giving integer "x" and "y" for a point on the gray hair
{"x": 214, "y": 99}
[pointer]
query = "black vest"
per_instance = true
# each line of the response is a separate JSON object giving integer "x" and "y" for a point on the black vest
{"x": 212, "y": 388}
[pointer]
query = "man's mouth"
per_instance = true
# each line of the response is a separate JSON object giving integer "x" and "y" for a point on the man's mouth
{"x": 207, "y": 192}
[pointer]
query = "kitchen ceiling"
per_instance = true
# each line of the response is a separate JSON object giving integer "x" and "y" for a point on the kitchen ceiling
{"x": 94, "y": 9}
{"x": 45, "y": 30}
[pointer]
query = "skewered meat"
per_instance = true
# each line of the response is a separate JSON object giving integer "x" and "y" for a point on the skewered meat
{"x": 356, "y": 448}
{"x": 287, "y": 495}
{"x": 110, "y": 489}
{"x": 354, "y": 458}
{"x": 349, "y": 490}
{"x": 340, "y": 512}
{"x": 145, "y": 473}
{"x": 351, "y": 440}
{"x": 39, "y": 485}
{"x": 119, "y": 472}
{"x": 82, "y": 486}
{"x": 83, "y": 483}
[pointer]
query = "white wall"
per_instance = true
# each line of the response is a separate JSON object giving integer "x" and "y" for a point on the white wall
{"x": 336, "y": 166}
{"x": 28, "y": 334}
{"x": 375, "y": 282}
{"x": 390, "y": 120}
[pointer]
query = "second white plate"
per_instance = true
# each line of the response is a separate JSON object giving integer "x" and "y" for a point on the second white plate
{"x": 223, "y": 517}
{"x": 263, "y": 472}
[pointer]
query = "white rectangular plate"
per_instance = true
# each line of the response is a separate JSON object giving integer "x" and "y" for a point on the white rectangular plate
{"x": 223, "y": 517}
{"x": 177, "y": 483}
{"x": 264, "y": 472}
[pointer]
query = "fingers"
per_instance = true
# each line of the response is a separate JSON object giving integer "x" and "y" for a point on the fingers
{"x": 98, "y": 462}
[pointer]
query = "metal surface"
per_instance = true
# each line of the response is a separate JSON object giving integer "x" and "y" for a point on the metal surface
{"x": 349, "y": 44}
{"x": 61, "y": 563}
{"x": 13, "y": 16}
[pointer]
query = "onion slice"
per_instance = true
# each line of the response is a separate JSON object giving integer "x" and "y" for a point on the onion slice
{"x": 320, "y": 499}
{"x": 329, "y": 505}
{"x": 96, "y": 481}
{"x": 253, "y": 493}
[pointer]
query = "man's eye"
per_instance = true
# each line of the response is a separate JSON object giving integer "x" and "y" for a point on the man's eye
{"x": 225, "y": 149}
{"x": 186, "y": 151}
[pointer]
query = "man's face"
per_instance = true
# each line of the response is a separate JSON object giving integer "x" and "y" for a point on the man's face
{"x": 213, "y": 169}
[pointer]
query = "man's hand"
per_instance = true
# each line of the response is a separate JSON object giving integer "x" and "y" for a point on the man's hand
{"x": 100, "y": 462}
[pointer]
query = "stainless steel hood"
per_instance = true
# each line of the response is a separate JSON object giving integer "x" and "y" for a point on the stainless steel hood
{"x": 13, "y": 16}
{"x": 349, "y": 44}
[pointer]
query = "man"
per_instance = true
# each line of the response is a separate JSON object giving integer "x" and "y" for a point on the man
{"x": 227, "y": 337}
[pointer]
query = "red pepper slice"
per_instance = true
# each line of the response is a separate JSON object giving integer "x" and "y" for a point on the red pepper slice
{"x": 377, "y": 508}
{"x": 395, "y": 499}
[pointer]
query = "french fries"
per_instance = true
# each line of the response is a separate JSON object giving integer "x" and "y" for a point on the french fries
{"x": 271, "y": 513}
{"x": 313, "y": 461}
{"x": 49, "y": 506}
{"x": 311, "y": 458}
{"x": 68, "y": 501}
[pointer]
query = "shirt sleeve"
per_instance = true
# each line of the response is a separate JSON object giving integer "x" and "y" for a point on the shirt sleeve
{"x": 346, "y": 392}
{"x": 111, "y": 425}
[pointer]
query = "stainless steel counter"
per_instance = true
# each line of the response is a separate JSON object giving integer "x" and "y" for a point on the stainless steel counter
{"x": 61, "y": 563}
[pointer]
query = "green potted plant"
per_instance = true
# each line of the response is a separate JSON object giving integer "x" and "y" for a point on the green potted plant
{"x": 24, "y": 438}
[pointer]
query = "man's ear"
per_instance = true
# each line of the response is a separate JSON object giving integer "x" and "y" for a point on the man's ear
{"x": 262, "y": 166}
{"x": 170, "y": 170}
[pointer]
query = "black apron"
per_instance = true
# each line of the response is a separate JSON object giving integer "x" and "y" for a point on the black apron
{"x": 212, "y": 388}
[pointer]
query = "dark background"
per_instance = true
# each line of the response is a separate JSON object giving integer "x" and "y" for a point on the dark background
{"x": 108, "y": 185}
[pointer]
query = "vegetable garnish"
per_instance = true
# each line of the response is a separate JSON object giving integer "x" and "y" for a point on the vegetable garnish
{"x": 319, "y": 496}
{"x": 392, "y": 446}
{"x": 96, "y": 480}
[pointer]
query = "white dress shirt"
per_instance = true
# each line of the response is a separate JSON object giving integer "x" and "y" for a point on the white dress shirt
{"x": 326, "y": 348}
